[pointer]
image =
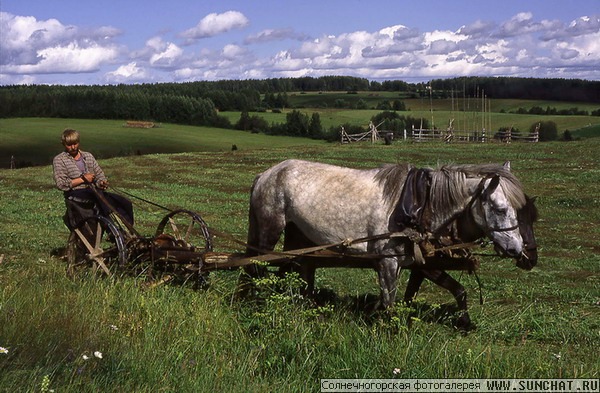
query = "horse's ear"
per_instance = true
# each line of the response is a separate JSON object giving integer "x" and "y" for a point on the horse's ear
{"x": 507, "y": 165}
{"x": 491, "y": 187}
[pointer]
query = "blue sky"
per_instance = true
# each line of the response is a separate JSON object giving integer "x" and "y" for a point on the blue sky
{"x": 148, "y": 41}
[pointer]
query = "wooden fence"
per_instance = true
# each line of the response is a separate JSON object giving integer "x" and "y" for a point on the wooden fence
{"x": 448, "y": 136}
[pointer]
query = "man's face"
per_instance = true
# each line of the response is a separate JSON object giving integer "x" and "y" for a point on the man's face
{"x": 72, "y": 149}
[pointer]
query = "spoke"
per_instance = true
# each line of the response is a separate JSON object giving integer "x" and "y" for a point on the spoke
{"x": 174, "y": 228}
{"x": 189, "y": 230}
{"x": 84, "y": 240}
{"x": 98, "y": 236}
{"x": 100, "y": 262}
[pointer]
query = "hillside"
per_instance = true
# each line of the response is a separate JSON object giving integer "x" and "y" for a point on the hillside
{"x": 35, "y": 141}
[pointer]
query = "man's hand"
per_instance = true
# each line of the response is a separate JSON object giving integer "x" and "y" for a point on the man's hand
{"x": 88, "y": 177}
{"x": 103, "y": 184}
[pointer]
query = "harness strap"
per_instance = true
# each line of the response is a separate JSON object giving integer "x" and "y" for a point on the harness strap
{"x": 480, "y": 287}
{"x": 313, "y": 251}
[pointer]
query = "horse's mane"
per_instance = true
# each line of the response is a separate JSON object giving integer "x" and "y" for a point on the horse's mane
{"x": 449, "y": 184}
{"x": 392, "y": 177}
{"x": 449, "y": 191}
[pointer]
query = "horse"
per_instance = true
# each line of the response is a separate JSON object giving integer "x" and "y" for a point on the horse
{"x": 321, "y": 204}
{"x": 526, "y": 216}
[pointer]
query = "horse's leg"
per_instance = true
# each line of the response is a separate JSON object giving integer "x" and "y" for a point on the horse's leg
{"x": 307, "y": 273}
{"x": 445, "y": 281}
{"x": 413, "y": 286}
{"x": 294, "y": 239}
{"x": 263, "y": 235}
{"x": 387, "y": 272}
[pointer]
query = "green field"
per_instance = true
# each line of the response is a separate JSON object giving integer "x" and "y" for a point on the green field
{"x": 539, "y": 324}
{"x": 440, "y": 109}
{"x": 35, "y": 141}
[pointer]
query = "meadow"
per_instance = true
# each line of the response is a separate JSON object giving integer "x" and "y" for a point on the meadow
{"x": 34, "y": 141}
{"x": 115, "y": 335}
{"x": 438, "y": 113}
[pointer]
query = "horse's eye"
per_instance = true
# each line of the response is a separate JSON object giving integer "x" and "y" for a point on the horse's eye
{"x": 501, "y": 210}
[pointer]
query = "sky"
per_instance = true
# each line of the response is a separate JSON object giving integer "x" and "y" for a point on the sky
{"x": 99, "y": 42}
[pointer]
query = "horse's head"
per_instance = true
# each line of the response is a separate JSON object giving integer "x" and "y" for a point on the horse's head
{"x": 526, "y": 216}
{"x": 497, "y": 217}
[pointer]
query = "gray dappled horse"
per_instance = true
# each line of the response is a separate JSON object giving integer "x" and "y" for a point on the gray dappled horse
{"x": 320, "y": 204}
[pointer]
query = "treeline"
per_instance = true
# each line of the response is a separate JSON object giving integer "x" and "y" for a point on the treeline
{"x": 575, "y": 90}
{"x": 240, "y": 95}
{"x": 538, "y": 110}
{"x": 105, "y": 102}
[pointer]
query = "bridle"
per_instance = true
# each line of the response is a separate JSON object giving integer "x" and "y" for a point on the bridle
{"x": 476, "y": 196}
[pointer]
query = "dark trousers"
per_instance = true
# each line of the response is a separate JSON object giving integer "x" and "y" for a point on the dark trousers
{"x": 84, "y": 203}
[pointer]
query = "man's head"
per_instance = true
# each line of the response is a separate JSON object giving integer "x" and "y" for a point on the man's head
{"x": 70, "y": 140}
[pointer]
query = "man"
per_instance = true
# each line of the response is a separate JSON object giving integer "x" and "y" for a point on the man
{"x": 75, "y": 172}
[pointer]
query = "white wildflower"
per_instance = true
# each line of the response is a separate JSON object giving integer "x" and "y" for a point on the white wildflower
{"x": 113, "y": 327}
{"x": 98, "y": 354}
{"x": 396, "y": 371}
{"x": 3, "y": 350}
{"x": 85, "y": 357}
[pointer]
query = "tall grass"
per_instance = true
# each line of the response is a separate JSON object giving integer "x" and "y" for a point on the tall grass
{"x": 538, "y": 324}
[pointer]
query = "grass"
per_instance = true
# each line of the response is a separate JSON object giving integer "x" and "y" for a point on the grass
{"x": 35, "y": 141}
{"x": 439, "y": 110}
{"x": 538, "y": 324}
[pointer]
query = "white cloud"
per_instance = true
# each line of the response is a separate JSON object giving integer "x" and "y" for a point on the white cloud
{"x": 30, "y": 46}
{"x": 167, "y": 57}
{"x": 522, "y": 23}
{"x": 66, "y": 59}
{"x": 269, "y": 35}
{"x": 213, "y": 24}
{"x": 521, "y": 46}
{"x": 128, "y": 73}
{"x": 477, "y": 29}
{"x": 232, "y": 52}
{"x": 440, "y": 47}
{"x": 584, "y": 25}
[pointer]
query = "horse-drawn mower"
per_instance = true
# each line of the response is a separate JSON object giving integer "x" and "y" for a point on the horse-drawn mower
{"x": 181, "y": 249}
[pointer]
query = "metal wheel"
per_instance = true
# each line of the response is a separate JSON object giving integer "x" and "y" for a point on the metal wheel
{"x": 187, "y": 227}
{"x": 187, "y": 230}
{"x": 96, "y": 243}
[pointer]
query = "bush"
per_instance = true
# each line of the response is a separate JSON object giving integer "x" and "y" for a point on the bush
{"x": 548, "y": 130}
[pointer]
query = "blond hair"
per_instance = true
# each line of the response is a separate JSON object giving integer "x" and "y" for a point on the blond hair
{"x": 70, "y": 137}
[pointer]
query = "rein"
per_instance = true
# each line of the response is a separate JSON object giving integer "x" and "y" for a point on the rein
{"x": 114, "y": 213}
{"x": 141, "y": 199}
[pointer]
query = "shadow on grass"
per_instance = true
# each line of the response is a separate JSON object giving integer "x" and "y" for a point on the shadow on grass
{"x": 366, "y": 307}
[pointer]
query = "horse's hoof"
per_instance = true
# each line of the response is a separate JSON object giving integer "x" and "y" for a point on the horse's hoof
{"x": 464, "y": 324}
